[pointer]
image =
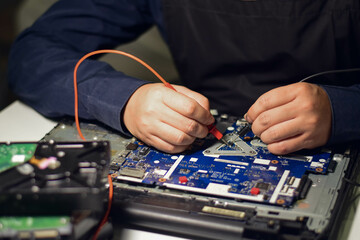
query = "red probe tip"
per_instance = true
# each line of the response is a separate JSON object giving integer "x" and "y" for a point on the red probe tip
{"x": 213, "y": 130}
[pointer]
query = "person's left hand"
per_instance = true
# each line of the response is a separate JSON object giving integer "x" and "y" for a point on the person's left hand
{"x": 291, "y": 118}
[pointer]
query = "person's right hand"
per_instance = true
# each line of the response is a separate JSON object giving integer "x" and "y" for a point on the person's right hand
{"x": 166, "y": 119}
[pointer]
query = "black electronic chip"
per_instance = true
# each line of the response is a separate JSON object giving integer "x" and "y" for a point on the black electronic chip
{"x": 131, "y": 146}
{"x": 262, "y": 185}
{"x": 144, "y": 151}
{"x": 114, "y": 167}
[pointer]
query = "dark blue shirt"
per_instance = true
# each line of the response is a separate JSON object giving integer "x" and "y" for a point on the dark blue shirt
{"x": 43, "y": 58}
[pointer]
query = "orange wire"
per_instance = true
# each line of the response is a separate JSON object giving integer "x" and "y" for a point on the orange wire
{"x": 76, "y": 107}
{"x": 106, "y": 216}
{"x": 100, "y": 52}
{"x": 213, "y": 129}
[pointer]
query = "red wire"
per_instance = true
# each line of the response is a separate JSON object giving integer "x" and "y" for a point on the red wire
{"x": 106, "y": 216}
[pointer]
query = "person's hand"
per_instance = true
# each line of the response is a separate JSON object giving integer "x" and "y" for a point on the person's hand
{"x": 291, "y": 118}
{"x": 166, "y": 119}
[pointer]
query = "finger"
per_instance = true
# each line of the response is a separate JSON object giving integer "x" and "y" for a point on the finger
{"x": 282, "y": 131}
{"x": 184, "y": 124}
{"x": 287, "y": 146}
{"x": 188, "y": 107}
{"x": 274, "y": 116}
{"x": 171, "y": 135}
{"x": 201, "y": 99}
{"x": 164, "y": 146}
{"x": 271, "y": 99}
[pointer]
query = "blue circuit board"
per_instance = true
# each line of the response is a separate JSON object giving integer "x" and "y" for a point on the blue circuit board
{"x": 244, "y": 169}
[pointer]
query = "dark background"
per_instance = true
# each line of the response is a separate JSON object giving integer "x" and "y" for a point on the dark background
{"x": 16, "y": 15}
{"x": 8, "y": 9}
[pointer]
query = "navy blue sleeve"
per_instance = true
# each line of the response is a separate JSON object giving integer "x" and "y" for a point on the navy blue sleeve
{"x": 346, "y": 112}
{"x": 43, "y": 58}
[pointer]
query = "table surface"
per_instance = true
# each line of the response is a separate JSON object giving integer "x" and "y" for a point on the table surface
{"x": 18, "y": 122}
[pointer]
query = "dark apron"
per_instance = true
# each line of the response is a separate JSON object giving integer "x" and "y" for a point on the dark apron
{"x": 233, "y": 51}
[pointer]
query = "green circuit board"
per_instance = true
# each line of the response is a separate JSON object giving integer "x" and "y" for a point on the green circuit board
{"x": 39, "y": 227}
{"x": 14, "y": 154}
{"x": 31, "y": 223}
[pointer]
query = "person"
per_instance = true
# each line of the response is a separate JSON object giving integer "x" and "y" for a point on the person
{"x": 240, "y": 57}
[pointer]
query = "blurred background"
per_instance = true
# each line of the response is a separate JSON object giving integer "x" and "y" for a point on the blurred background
{"x": 16, "y": 15}
{"x": 7, "y": 36}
